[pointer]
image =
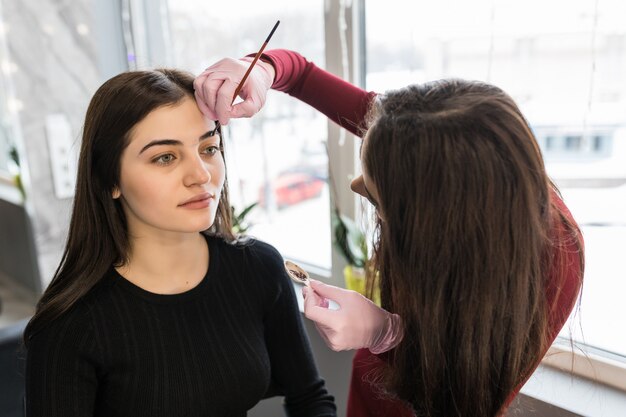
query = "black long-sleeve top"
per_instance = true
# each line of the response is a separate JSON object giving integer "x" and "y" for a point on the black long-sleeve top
{"x": 215, "y": 350}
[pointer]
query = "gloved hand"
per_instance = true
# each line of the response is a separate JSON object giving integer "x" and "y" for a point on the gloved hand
{"x": 358, "y": 323}
{"x": 214, "y": 88}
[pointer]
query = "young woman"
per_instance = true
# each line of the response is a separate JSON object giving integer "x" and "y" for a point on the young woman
{"x": 479, "y": 261}
{"x": 156, "y": 308}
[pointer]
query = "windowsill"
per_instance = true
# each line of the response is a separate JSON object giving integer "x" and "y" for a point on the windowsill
{"x": 315, "y": 272}
{"x": 9, "y": 192}
{"x": 587, "y": 384}
{"x": 574, "y": 393}
{"x": 5, "y": 179}
{"x": 594, "y": 367}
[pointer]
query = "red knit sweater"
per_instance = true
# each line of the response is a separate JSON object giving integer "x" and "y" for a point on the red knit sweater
{"x": 347, "y": 106}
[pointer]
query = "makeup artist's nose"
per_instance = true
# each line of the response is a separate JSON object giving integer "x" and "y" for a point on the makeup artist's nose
{"x": 358, "y": 186}
{"x": 197, "y": 172}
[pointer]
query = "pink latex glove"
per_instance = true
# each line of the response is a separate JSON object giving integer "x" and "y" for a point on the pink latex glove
{"x": 217, "y": 84}
{"x": 358, "y": 323}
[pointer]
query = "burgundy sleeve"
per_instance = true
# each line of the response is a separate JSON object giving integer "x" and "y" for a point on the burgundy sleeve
{"x": 342, "y": 102}
{"x": 565, "y": 278}
{"x": 366, "y": 398}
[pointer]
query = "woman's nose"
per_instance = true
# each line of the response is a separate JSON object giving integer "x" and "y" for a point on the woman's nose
{"x": 358, "y": 186}
{"x": 198, "y": 172}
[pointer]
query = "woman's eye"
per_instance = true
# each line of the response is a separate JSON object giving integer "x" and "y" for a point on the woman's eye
{"x": 165, "y": 159}
{"x": 210, "y": 150}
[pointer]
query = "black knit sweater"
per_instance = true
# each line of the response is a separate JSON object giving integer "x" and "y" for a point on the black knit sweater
{"x": 215, "y": 350}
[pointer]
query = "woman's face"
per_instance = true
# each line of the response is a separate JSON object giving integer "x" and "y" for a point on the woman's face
{"x": 172, "y": 172}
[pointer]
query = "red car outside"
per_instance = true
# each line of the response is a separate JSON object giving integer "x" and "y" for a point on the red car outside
{"x": 293, "y": 187}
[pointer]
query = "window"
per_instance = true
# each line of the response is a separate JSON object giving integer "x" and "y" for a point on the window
{"x": 10, "y": 139}
{"x": 5, "y": 145}
{"x": 572, "y": 143}
{"x": 600, "y": 143}
{"x": 6, "y": 140}
{"x": 571, "y": 91}
{"x": 277, "y": 158}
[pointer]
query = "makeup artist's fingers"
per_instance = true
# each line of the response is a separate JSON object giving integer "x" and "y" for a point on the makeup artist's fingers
{"x": 313, "y": 298}
{"x": 254, "y": 91}
{"x": 203, "y": 107}
{"x": 330, "y": 291}
{"x": 320, "y": 315}
{"x": 217, "y": 84}
{"x": 210, "y": 87}
{"x": 217, "y": 95}
{"x": 223, "y": 99}
{"x": 198, "y": 85}
{"x": 246, "y": 108}
{"x": 215, "y": 87}
{"x": 205, "y": 91}
{"x": 316, "y": 308}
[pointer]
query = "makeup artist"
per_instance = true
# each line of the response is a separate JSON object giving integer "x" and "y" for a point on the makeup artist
{"x": 478, "y": 258}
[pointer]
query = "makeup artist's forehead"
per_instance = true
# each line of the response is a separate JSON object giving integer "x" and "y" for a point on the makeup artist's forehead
{"x": 364, "y": 142}
{"x": 367, "y": 181}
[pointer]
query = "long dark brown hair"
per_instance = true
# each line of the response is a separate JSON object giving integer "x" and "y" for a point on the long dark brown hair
{"x": 98, "y": 236}
{"x": 463, "y": 250}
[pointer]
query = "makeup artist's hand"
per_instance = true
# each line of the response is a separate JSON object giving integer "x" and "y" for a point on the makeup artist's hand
{"x": 216, "y": 85}
{"x": 358, "y": 323}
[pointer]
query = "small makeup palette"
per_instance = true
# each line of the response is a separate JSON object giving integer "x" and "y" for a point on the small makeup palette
{"x": 297, "y": 274}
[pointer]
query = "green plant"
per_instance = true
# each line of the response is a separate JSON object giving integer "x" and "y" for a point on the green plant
{"x": 240, "y": 224}
{"x": 349, "y": 240}
{"x": 17, "y": 178}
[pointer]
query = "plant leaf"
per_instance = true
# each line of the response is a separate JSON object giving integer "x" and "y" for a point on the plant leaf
{"x": 247, "y": 210}
{"x": 349, "y": 240}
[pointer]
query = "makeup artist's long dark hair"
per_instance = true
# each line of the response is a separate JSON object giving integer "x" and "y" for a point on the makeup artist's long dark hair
{"x": 98, "y": 235}
{"x": 465, "y": 247}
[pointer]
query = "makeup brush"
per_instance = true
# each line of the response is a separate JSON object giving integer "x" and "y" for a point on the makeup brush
{"x": 256, "y": 58}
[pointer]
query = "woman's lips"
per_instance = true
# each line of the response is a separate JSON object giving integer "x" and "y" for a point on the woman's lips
{"x": 197, "y": 202}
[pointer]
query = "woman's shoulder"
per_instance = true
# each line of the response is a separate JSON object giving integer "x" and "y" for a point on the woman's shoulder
{"x": 254, "y": 261}
{"x": 65, "y": 330}
{"x": 248, "y": 250}
{"x": 79, "y": 317}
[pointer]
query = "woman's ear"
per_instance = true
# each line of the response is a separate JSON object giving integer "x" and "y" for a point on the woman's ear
{"x": 116, "y": 193}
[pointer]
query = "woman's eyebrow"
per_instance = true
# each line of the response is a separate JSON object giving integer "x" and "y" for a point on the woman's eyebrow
{"x": 215, "y": 130}
{"x": 176, "y": 142}
{"x": 212, "y": 132}
{"x": 158, "y": 142}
